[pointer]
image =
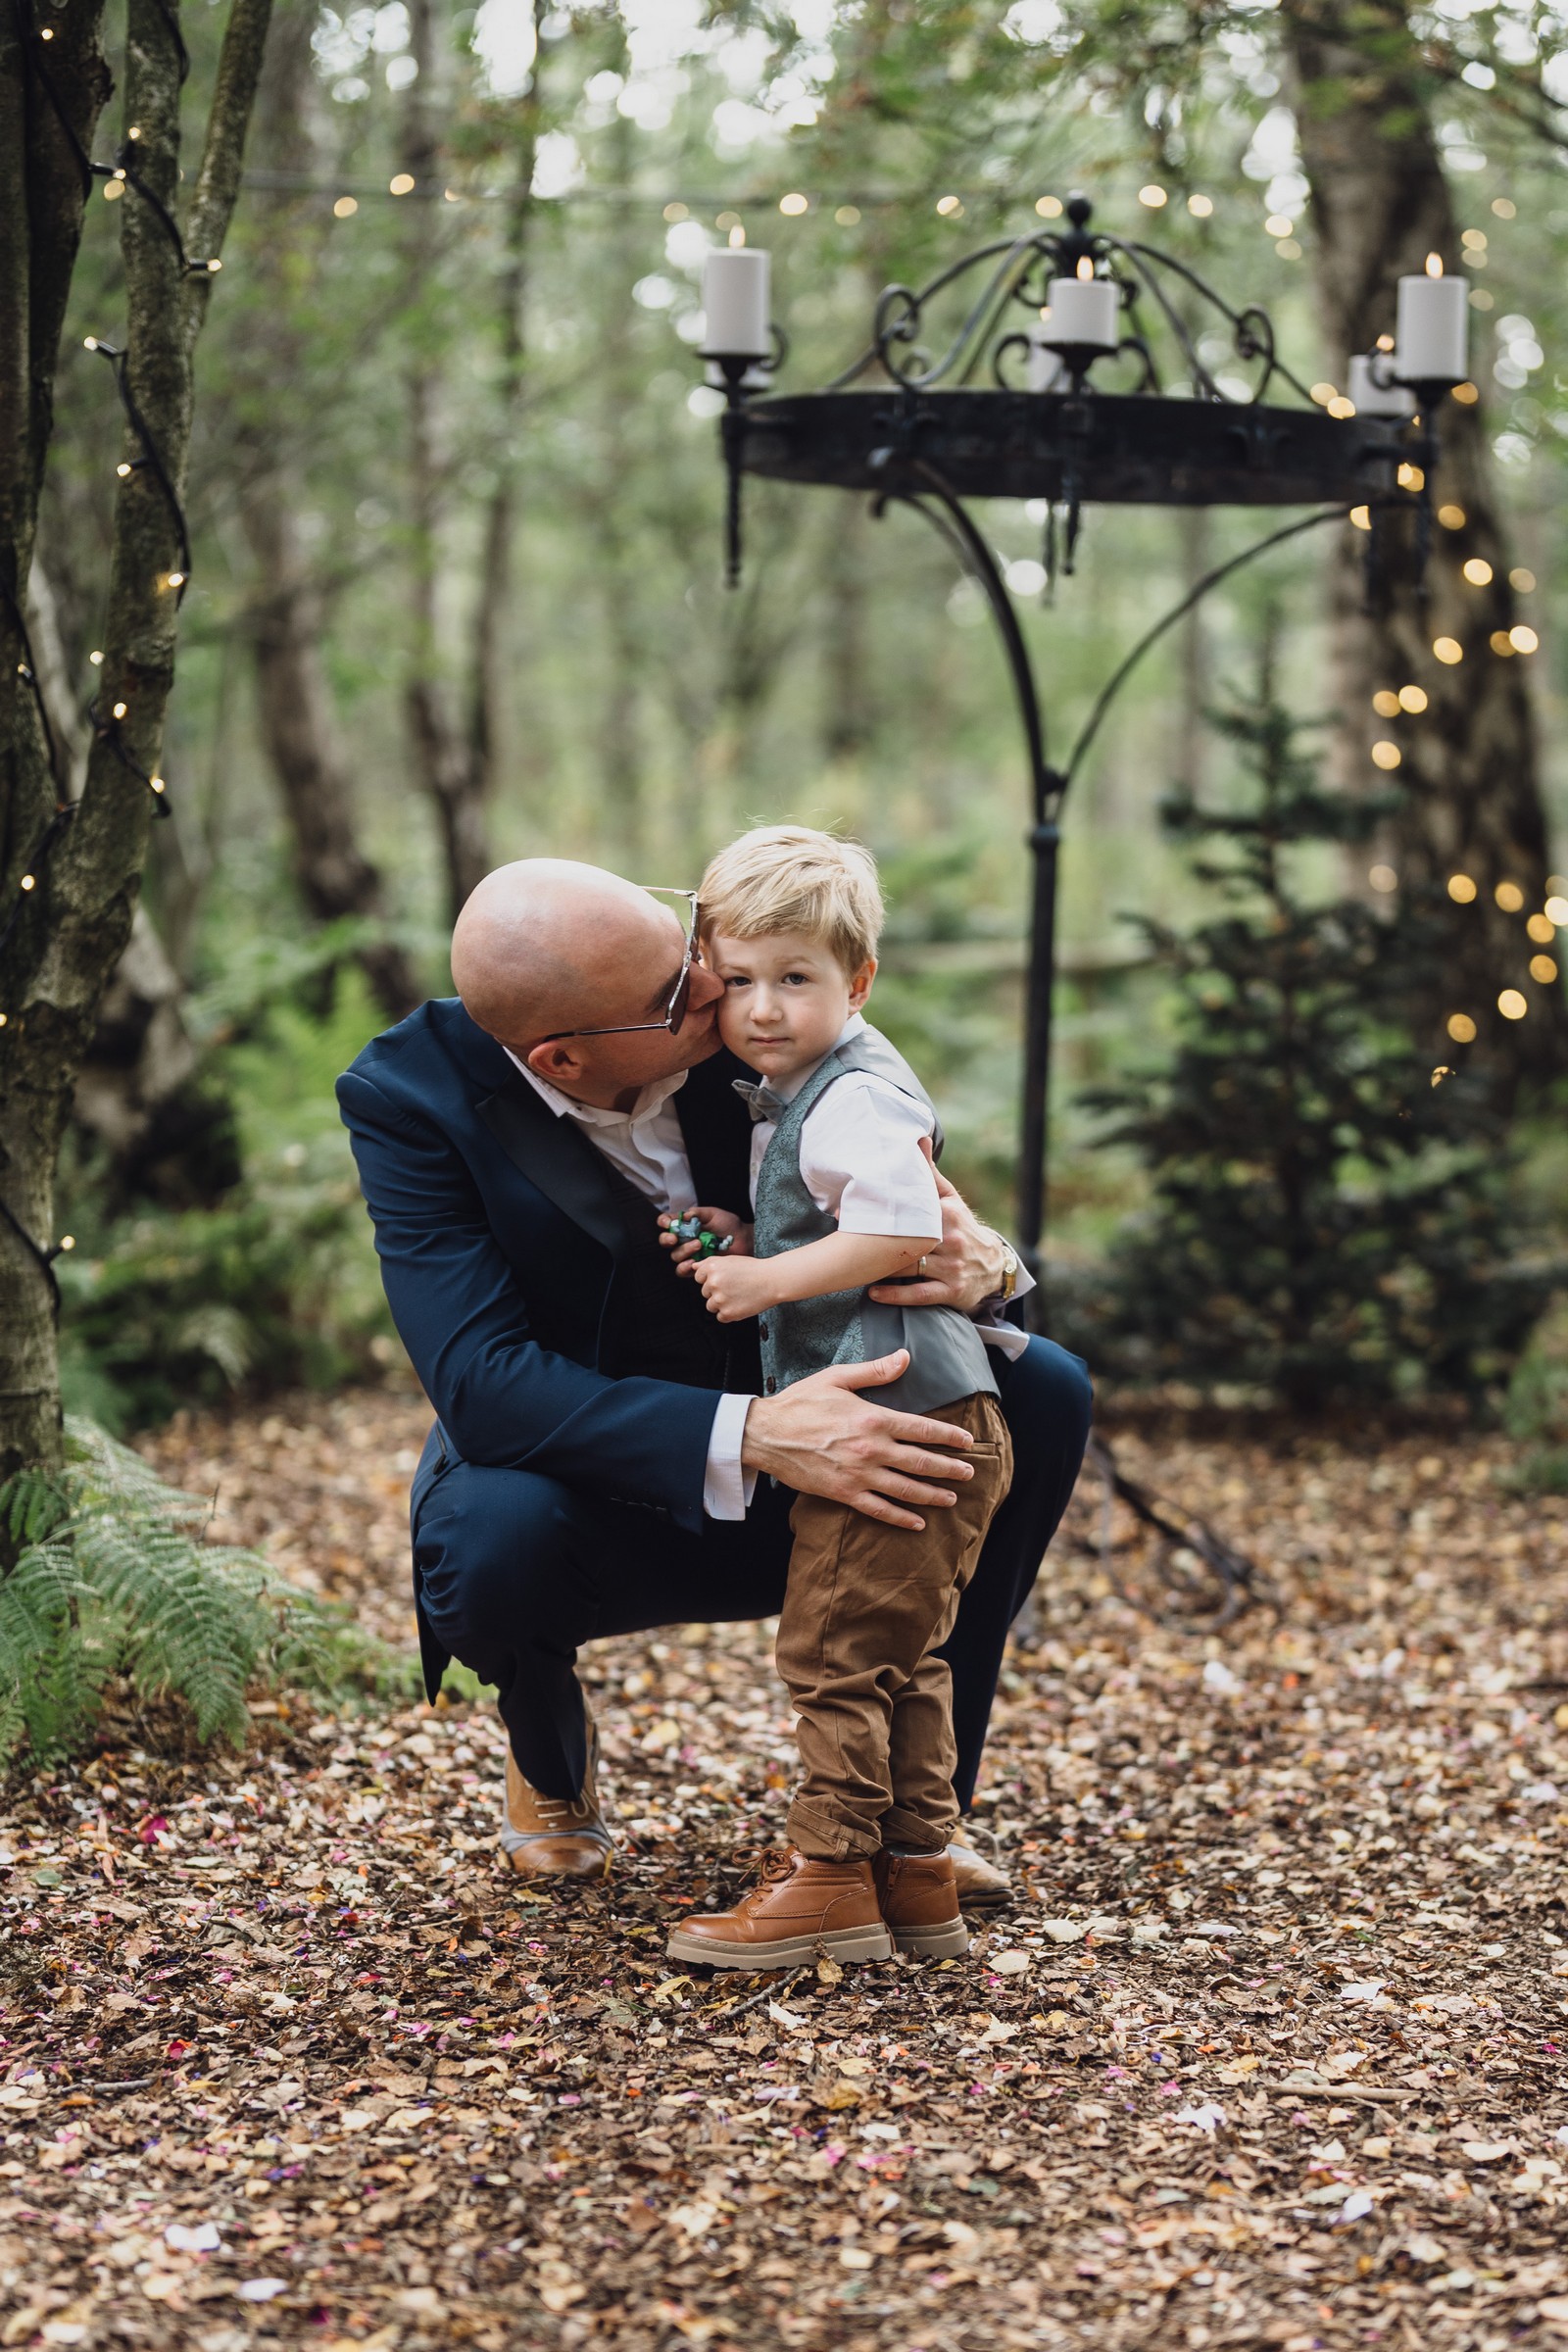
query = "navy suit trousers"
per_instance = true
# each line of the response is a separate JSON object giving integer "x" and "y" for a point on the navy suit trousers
{"x": 516, "y": 1571}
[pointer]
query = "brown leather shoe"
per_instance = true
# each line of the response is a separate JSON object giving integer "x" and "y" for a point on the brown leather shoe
{"x": 919, "y": 1900}
{"x": 800, "y": 1907}
{"x": 981, "y": 1886}
{"x": 556, "y": 1836}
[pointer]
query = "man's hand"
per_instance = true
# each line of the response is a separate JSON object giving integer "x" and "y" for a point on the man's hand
{"x": 734, "y": 1288}
{"x": 965, "y": 1271}
{"x": 822, "y": 1438}
{"x": 688, "y": 1254}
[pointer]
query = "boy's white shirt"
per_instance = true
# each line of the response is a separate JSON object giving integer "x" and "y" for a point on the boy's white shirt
{"x": 862, "y": 1162}
{"x": 861, "y": 1158}
{"x": 871, "y": 1155}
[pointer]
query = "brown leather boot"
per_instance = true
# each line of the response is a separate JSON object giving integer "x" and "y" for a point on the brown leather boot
{"x": 556, "y": 1836}
{"x": 799, "y": 1907}
{"x": 981, "y": 1886}
{"x": 920, "y": 1898}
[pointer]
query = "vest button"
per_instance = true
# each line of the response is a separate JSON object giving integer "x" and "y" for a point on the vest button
{"x": 762, "y": 1331}
{"x": 770, "y": 1384}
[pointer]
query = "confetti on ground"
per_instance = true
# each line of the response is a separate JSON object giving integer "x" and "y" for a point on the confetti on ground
{"x": 1268, "y": 2052}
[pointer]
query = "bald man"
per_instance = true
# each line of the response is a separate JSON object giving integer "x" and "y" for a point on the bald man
{"x": 603, "y": 1458}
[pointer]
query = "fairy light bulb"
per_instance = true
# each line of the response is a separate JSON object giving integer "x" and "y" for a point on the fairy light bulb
{"x": 29, "y": 881}
{"x": 120, "y": 711}
{"x": 157, "y": 784}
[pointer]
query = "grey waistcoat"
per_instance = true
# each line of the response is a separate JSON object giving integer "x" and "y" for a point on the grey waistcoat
{"x": 948, "y": 1358}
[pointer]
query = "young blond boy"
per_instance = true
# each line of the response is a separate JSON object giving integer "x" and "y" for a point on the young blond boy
{"x": 844, "y": 1197}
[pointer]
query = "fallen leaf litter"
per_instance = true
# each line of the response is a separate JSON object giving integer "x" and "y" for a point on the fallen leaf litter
{"x": 1269, "y": 2052}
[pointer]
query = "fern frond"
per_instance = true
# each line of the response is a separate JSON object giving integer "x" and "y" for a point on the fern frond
{"x": 109, "y": 1473}
{"x": 113, "y": 1578}
{"x": 32, "y": 1504}
{"x": 53, "y": 1665}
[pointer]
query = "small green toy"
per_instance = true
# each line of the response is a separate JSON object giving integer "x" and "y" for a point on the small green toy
{"x": 690, "y": 1228}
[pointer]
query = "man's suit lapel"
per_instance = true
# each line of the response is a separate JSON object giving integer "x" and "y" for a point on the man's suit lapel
{"x": 556, "y": 1155}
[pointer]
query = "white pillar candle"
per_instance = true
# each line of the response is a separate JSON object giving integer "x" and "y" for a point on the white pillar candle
{"x": 1375, "y": 399}
{"x": 1084, "y": 313}
{"x": 1431, "y": 336}
{"x": 737, "y": 310}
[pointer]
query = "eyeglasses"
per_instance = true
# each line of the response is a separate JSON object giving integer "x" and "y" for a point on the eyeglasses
{"x": 674, "y": 1012}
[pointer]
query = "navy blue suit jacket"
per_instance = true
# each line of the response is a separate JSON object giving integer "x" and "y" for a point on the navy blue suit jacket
{"x": 499, "y": 1229}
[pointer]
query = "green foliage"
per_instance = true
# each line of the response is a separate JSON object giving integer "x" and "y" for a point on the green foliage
{"x": 1535, "y": 1409}
{"x": 1326, "y": 1216}
{"x": 110, "y": 1582}
{"x": 276, "y": 1285}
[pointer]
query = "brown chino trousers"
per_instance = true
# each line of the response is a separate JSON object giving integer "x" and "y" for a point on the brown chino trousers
{"x": 866, "y": 1610}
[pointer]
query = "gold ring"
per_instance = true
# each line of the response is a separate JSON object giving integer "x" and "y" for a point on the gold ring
{"x": 920, "y": 1268}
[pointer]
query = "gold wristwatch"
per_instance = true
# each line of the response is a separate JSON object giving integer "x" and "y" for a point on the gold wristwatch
{"x": 1009, "y": 1284}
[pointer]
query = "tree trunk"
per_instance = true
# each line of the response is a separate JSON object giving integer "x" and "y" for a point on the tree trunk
{"x": 294, "y": 708}
{"x": 61, "y": 938}
{"x": 1382, "y": 204}
{"x": 298, "y": 722}
{"x": 456, "y": 761}
{"x": 138, "y": 1097}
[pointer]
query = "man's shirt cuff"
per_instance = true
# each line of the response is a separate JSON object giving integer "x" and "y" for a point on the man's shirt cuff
{"x": 728, "y": 1487}
{"x": 990, "y": 1318}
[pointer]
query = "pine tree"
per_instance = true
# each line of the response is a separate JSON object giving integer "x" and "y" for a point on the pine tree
{"x": 1327, "y": 1215}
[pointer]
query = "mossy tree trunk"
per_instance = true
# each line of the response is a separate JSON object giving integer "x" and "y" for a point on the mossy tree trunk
{"x": 1380, "y": 203}
{"x": 72, "y": 924}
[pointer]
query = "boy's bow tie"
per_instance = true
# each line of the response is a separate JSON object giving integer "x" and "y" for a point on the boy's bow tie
{"x": 760, "y": 1100}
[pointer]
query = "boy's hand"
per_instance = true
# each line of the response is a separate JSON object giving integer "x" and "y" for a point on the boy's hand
{"x": 688, "y": 1254}
{"x": 734, "y": 1288}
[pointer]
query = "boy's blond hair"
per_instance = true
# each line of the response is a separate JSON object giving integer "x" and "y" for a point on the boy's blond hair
{"x": 794, "y": 878}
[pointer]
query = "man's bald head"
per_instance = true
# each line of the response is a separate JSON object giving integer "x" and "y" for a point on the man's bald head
{"x": 547, "y": 945}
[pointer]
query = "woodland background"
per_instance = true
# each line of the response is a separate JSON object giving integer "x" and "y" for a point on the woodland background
{"x": 1268, "y": 2051}
{"x": 455, "y": 499}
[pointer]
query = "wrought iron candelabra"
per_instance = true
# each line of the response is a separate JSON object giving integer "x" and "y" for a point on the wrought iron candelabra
{"x": 1029, "y": 398}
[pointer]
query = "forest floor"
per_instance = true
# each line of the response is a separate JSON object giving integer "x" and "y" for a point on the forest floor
{"x": 1269, "y": 2051}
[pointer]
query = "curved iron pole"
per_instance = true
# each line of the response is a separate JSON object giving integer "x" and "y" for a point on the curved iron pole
{"x": 1045, "y": 788}
{"x": 1167, "y": 620}
{"x": 1048, "y": 786}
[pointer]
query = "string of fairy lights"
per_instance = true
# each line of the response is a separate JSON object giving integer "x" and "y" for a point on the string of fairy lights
{"x": 123, "y": 174}
{"x": 108, "y": 727}
{"x": 1543, "y": 923}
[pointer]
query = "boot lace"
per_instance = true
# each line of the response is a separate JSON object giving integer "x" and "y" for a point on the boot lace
{"x": 561, "y": 1812}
